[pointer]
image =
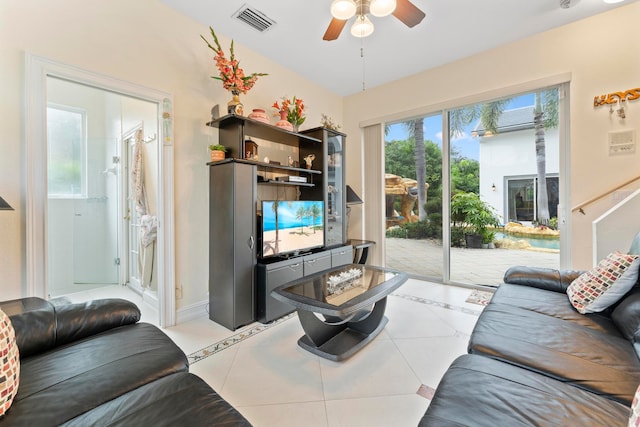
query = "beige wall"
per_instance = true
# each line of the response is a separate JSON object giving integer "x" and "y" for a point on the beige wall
{"x": 146, "y": 43}
{"x": 600, "y": 53}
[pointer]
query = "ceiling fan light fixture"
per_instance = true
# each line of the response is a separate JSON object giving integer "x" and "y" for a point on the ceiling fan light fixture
{"x": 613, "y": 1}
{"x": 343, "y": 9}
{"x": 362, "y": 27}
{"x": 382, "y": 8}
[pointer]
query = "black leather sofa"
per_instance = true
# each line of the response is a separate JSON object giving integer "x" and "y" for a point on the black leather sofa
{"x": 94, "y": 364}
{"x": 534, "y": 360}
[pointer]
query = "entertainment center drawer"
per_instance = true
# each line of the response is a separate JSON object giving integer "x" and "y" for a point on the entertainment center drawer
{"x": 341, "y": 256}
{"x": 314, "y": 263}
{"x": 270, "y": 276}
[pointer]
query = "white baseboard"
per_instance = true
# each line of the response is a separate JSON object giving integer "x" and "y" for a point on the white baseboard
{"x": 193, "y": 311}
{"x": 150, "y": 298}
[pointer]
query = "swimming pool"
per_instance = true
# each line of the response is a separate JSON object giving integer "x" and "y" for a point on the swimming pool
{"x": 533, "y": 241}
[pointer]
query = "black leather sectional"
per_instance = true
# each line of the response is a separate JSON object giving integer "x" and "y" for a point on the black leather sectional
{"x": 535, "y": 361}
{"x": 94, "y": 364}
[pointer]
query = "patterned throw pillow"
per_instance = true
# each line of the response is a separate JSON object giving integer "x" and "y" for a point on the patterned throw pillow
{"x": 9, "y": 363}
{"x": 634, "y": 418}
{"x": 601, "y": 287}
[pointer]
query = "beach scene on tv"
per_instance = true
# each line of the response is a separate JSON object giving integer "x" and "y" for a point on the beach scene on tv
{"x": 291, "y": 226}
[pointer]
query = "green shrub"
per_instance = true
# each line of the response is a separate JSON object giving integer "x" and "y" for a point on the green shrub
{"x": 398, "y": 232}
{"x": 417, "y": 230}
{"x": 457, "y": 237}
{"x": 434, "y": 226}
{"x": 468, "y": 210}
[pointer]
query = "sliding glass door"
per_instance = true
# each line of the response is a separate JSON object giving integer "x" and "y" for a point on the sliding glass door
{"x": 492, "y": 189}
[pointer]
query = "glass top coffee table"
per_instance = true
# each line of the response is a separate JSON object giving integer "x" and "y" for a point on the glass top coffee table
{"x": 351, "y": 299}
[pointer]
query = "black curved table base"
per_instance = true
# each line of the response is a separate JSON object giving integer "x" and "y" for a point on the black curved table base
{"x": 336, "y": 339}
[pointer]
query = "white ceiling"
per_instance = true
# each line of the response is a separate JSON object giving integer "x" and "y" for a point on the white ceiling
{"x": 453, "y": 29}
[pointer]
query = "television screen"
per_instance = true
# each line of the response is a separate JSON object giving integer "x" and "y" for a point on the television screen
{"x": 290, "y": 226}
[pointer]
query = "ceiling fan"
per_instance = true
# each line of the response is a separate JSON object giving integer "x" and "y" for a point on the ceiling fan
{"x": 343, "y": 10}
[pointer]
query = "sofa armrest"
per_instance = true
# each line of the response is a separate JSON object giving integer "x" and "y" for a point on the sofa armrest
{"x": 77, "y": 321}
{"x": 34, "y": 322}
{"x": 543, "y": 278}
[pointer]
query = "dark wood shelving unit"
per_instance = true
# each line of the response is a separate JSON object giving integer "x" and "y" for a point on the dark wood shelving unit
{"x": 240, "y": 283}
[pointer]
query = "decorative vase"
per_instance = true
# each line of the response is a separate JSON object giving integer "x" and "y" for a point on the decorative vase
{"x": 217, "y": 155}
{"x": 283, "y": 123}
{"x": 260, "y": 115}
{"x": 295, "y": 127}
{"x": 235, "y": 106}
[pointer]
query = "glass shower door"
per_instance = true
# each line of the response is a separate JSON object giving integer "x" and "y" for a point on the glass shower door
{"x": 83, "y": 190}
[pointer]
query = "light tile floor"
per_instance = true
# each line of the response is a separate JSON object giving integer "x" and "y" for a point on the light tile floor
{"x": 273, "y": 382}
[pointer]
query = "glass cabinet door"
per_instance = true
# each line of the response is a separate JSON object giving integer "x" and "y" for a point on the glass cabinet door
{"x": 335, "y": 189}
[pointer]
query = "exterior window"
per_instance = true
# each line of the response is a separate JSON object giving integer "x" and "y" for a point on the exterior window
{"x": 521, "y": 198}
{"x": 66, "y": 152}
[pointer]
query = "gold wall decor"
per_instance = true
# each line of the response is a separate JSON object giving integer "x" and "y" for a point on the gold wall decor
{"x": 615, "y": 97}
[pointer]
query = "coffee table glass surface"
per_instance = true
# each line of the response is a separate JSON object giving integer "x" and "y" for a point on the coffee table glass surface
{"x": 340, "y": 291}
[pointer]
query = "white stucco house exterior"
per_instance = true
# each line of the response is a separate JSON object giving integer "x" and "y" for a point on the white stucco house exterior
{"x": 508, "y": 166}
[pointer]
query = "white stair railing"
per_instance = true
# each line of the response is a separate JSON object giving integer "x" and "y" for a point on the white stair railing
{"x": 615, "y": 229}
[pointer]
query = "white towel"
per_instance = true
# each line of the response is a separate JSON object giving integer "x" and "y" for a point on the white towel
{"x": 148, "y": 229}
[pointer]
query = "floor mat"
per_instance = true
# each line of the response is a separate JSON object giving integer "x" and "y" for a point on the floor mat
{"x": 479, "y": 297}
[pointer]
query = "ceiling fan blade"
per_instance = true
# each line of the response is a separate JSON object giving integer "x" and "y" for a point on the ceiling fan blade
{"x": 408, "y": 13}
{"x": 334, "y": 29}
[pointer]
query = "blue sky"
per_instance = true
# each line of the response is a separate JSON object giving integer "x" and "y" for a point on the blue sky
{"x": 466, "y": 145}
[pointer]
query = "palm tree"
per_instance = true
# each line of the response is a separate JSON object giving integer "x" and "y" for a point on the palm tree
{"x": 421, "y": 167}
{"x": 301, "y": 213}
{"x": 545, "y": 116}
{"x": 314, "y": 212}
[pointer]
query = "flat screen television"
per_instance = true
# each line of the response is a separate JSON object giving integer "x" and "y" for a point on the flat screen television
{"x": 291, "y": 226}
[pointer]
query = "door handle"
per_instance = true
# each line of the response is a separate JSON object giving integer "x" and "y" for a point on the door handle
{"x": 251, "y": 242}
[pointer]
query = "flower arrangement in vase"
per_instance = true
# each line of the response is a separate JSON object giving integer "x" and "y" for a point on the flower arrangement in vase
{"x": 291, "y": 111}
{"x": 231, "y": 75}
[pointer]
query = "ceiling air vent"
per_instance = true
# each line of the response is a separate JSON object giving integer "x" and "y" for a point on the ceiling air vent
{"x": 254, "y": 18}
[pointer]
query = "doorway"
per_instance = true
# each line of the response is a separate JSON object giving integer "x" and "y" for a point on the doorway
{"x": 94, "y": 217}
{"x": 99, "y": 187}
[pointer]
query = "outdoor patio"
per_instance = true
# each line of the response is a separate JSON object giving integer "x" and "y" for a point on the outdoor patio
{"x": 469, "y": 266}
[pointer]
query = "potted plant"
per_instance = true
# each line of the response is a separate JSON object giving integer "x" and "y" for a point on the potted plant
{"x": 217, "y": 152}
{"x": 488, "y": 235}
{"x": 475, "y": 217}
